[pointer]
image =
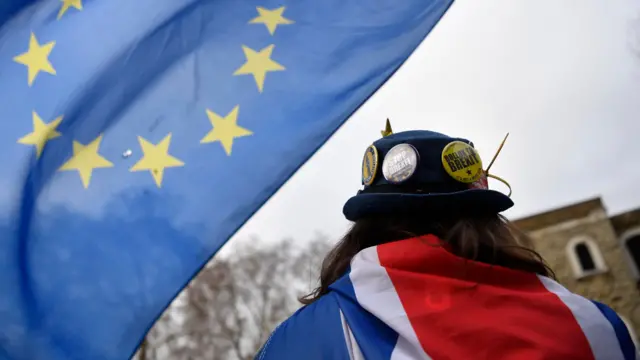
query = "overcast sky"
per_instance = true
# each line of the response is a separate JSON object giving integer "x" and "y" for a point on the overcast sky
{"x": 559, "y": 75}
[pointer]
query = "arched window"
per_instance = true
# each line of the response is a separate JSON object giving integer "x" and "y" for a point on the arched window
{"x": 633, "y": 247}
{"x": 630, "y": 242}
{"x": 585, "y": 257}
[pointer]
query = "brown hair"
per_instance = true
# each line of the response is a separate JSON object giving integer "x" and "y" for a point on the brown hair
{"x": 490, "y": 239}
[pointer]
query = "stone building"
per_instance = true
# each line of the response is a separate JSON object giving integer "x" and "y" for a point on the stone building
{"x": 592, "y": 253}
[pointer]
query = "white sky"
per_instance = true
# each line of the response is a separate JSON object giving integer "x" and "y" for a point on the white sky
{"x": 560, "y": 75}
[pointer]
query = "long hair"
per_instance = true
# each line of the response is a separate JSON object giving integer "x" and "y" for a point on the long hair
{"x": 488, "y": 239}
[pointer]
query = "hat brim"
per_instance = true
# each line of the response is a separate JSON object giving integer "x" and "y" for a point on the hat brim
{"x": 472, "y": 201}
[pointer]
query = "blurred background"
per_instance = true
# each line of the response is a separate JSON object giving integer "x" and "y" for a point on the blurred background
{"x": 562, "y": 77}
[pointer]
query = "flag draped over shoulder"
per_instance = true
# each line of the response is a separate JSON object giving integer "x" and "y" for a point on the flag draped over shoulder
{"x": 414, "y": 300}
{"x": 138, "y": 136}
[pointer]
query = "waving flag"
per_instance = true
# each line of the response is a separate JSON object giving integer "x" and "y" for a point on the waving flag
{"x": 412, "y": 299}
{"x": 138, "y": 136}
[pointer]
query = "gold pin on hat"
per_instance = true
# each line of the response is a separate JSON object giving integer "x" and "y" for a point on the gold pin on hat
{"x": 387, "y": 130}
{"x": 462, "y": 162}
{"x": 369, "y": 165}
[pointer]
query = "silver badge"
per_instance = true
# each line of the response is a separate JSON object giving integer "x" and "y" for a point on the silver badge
{"x": 400, "y": 163}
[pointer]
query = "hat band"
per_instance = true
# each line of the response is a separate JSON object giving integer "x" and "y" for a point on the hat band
{"x": 438, "y": 188}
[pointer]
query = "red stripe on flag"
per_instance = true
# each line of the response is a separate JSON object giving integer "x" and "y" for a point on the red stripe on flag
{"x": 461, "y": 309}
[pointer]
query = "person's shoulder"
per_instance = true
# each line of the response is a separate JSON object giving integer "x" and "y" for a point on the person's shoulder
{"x": 604, "y": 329}
{"x": 622, "y": 333}
{"x": 315, "y": 331}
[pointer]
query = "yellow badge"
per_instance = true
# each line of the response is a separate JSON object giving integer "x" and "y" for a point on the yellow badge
{"x": 462, "y": 162}
{"x": 369, "y": 165}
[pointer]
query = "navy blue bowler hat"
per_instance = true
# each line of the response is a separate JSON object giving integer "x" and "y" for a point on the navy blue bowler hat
{"x": 423, "y": 171}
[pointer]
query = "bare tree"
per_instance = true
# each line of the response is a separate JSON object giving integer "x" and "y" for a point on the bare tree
{"x": 163, "y": 340}
{"x": 229, "y": 309}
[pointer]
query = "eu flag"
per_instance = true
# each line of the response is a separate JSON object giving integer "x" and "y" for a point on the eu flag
{"x": 138, "y": 136}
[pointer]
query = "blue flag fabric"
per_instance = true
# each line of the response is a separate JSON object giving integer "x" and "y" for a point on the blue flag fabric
{"x": 138, "y": 136}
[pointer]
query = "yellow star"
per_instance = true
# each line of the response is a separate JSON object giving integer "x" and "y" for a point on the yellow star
{"x": 86, "y": 158}
{"x": 225, "y": 129}
{"x": 66, "y": 4}
{"x": 258, "y": 64}
{"x": 42, "y": 132}
{"x": 271, "y": 18}
{"x": 36, "y": 59}
{"x": 156, "y": 158}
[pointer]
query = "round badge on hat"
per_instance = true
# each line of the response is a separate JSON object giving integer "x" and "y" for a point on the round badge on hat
{"x": 400, "y": 163}
{"x": 462, "y": 162}
{"x": 369, "y": 165}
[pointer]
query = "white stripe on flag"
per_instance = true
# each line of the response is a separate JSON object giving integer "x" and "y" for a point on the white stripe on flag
{"x": 375, "y": 293}
{"x": 598, "y": 330}
{"x": 352, "y": 344}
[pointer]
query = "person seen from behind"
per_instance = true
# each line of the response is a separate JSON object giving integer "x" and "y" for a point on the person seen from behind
{"x": 431, "y": 270}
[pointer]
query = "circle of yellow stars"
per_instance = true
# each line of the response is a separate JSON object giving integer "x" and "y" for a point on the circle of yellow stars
{"x": 156, "y": 158}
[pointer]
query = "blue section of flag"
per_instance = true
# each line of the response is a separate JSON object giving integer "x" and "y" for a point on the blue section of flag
{"x": 11, "y": 7}
{"x": 138, "y": 136}
{"x": 375, "y": 339}
{"x": 622, "y": 333}
{"x": 314, "y": 332}
{"x": 317, "y": 331}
